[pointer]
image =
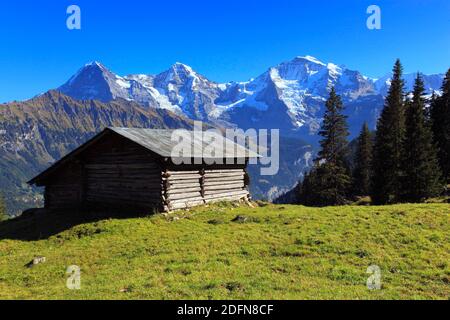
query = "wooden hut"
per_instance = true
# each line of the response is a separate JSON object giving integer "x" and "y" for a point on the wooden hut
{"x": 127, "y": 168}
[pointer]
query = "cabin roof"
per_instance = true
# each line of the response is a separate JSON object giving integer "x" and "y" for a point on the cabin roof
{"x": 161, "y": 142}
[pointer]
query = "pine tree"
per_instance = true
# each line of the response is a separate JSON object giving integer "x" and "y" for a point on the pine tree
{"x": 334, "y": 145}
{"x": 329, "y": 181}
{"x": 388, "y": 148}
{"x": 306, "y": 193}
{"x": 432, "y": 102}
{"x": 363, "y": 163}
{"x": 440, "y": 123}
{"x": 421, "y": 167}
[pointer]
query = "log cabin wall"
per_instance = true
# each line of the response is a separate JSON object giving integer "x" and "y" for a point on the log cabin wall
{"x": 188, "y": 186}
{"x": 120, "y": 174}
{"x": 132, "y": 169}
{"x": 182, "y": 189}
{"x": 64, "y": 191}
{"x": 224, "y": 184}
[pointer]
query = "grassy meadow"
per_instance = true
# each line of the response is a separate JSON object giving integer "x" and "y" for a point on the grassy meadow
{"x": 270, "y": 252}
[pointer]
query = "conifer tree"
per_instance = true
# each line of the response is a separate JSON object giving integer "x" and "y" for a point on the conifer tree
{"x": 388, "y": 148}
{"x": 306, "y": 193}
{"x": 421, "y": 167}
{"x": 329, "y": 181}
{"x": 440, "y": 123}
{"x": 431, "y": 101}
{"x": 363, "y": 163}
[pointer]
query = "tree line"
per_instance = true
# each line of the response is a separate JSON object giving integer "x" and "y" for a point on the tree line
{"x": 407, "y": 159}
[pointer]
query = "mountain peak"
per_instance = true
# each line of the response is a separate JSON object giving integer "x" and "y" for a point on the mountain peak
{"x": 92, "y": 81}
{"x": 309, "y": 59}
{"x": 90, "y": 68}
{"x": 179, "y": 67}
{"x": 93, "y": 63}
{"x": 179, "y": 73}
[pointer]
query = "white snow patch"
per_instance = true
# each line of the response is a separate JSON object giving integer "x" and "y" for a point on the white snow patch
{"x": 311, "y": 59}
{"x": 123, "y": 83}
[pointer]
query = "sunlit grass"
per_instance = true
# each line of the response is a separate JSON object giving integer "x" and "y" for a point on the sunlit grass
{"x": 278, "y": 252}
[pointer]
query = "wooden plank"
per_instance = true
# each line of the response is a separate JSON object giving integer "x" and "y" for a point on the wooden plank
{"x": 224, "y": 171}
{"x": 101, "y": 197}
{"x": 218, "y": 192}
{"x": 123, "y": 166}
{"x": 184, "y": 177}
{"x": 125, "y": 197}
{"x": 223, "y": 175}
{"x": 181, "y": 205}
{"x": 119, "y": 189}
{"x": 184, "y": 196}
{"x": 182, "y": 182}
{"x": 122, "y": 176}
{"x": 224, "y": 186}
{"x": 123, "y": 184}
{"x": 193, "y": 203}
{"x": 221, "y": 183}
{"x": 232, "y": 196}
{"x": 227, "y": 194}
{"x": 222, "y": 180}
{"x": 230, "y": 199}
{"x": 140, "y": 173}
{"x": 124, "y": 169}
{"x": 178, "y": 189}
{"x": 174, "y": 173}
{"x": 125, "y": 176}
{"x": 143, "y": 191}
{"x": 182, "y": 186}
{"x": 123, "y": 190}
{"x": 194, "y": 199}
{"x": 131, "y": 204}
{"x": 127, "y": 179}
{"x": 119, "y": 159}
{"x": 94, "y": 185}
{"x": 183, "y": 190}
{"x": 124, "y": 172}
{"x": 127, "y": 183}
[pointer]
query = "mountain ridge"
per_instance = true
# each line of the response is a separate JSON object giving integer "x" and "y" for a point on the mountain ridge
{"x": 39, "y": 131}
{"x": 289, "y": 97}
{"x": 297, "y": 88}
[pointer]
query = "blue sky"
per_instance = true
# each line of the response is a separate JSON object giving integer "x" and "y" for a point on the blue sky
{"x": 224, "y": 40}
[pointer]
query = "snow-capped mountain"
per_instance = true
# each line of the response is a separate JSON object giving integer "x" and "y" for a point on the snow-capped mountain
{"x": 289, "y": 96}
{"x": 179, "y": 89}
{"x": 95, "y": 82}
{"x": 189, "y": 92}
{"x": 292, "y": 94}
{"x": 432, "y": 82}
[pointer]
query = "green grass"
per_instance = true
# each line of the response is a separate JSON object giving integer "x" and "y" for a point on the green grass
{"x": 279, "y": 252}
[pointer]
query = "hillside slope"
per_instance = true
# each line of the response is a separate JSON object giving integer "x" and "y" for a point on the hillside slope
{"x": 275, "y": 252}
{"x": 37, "y": 132}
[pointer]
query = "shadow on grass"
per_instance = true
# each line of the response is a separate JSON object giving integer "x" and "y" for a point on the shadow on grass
{"x": 40, "y": 224}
